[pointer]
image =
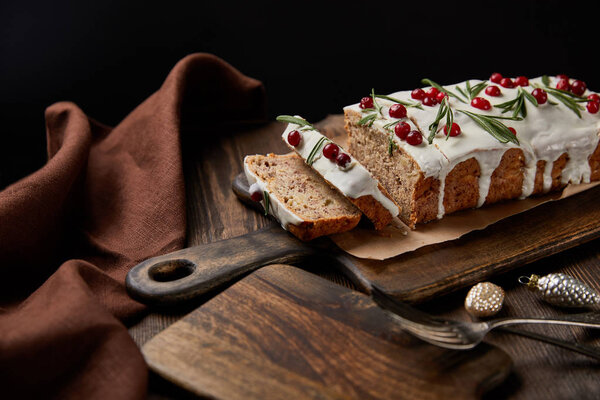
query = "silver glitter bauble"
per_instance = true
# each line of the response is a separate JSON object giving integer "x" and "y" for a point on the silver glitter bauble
{"x": 484, "y": 299}
{"x": 562, "y": 290}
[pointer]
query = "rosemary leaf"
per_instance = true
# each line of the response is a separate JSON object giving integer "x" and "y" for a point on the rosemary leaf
{"x": 462, "y": 92}
{"x": 475, "y": 90}
{"x": 403, "y": 102}
{"x": 530, "y": 97}
{"x": 433, "y": 127}
{"x": 267, "y": 201}
{"x": 391, "y": 145}
{"x": 294, "y": 120}
{"x": 311, "y": 157}
{"x": 368, "y": 119}
{"x": 494, "y": 127}
{"x": 449, "y": 122}
{"x": 377, "y": 106}
{"x": 546, "y": 80}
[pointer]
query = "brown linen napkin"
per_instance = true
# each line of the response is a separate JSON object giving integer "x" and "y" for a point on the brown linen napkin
{"x": 107, "y": 199}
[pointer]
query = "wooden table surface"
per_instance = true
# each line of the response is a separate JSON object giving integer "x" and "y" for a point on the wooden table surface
{"x": 541, "y": 371}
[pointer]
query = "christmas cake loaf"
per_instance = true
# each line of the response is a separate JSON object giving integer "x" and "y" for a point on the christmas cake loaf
{"x": 298, "y": 197}
{"x": 340, "y": 170}
{"x": 440, "y": 149}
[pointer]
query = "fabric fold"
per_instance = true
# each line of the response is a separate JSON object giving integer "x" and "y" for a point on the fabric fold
{"x": 107, "y": 199}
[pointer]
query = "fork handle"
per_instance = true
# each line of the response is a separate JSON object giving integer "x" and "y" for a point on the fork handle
{"x": 576, "y": 347}
{"x": 589, "y": 320}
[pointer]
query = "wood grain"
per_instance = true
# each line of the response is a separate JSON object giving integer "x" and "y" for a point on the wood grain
{"x": 283, "y": 333}
{"x": 540, "y": 370}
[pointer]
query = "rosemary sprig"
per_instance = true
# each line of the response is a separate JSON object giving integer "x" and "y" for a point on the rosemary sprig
{"x": 449, "y": 121}
{"x": 311, "y": 156}
{"x": 368, "y": 119}
{"x": 441, "y": 89}
{"x": 267, "y": 201}
{"x": 391, "y": 144}
{"x": 442, "y": 111}
{"x": 493, "y": 126}
{"x": 403, "y": 102}
{"x": 517, "y": 105}
{"x": 570, "y": 100}
{"x": 377, "y": 106}
{"x": 295, "y": 120}
{"x": 475, "y": 90}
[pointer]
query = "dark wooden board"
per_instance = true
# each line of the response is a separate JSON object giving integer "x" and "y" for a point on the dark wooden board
{"x": 283, "y": 333}
{"x": 413, "y": 277}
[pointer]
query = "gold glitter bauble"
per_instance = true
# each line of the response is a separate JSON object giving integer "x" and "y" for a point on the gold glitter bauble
{"x": 484, "y": 299}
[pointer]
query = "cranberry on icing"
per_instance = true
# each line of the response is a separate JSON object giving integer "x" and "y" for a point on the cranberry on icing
{"x": 366, "y": 102}
{"x": 454, "y": 131}
{"x": 294, "y": 138}
{"x": 521, "y": 81}
{"x": 418, "y": 94}
{"x": 414, "y": 138}
{"x": 540, "y": 95}
{"x": 401, "y": 129}
{"x": 496, "y": 77}
{"x": 397, "y": 111}
{"x": 331, "y": 150}
{"x": 578, "y": 87}
{"x": 481, "y": 103}
{"x": 493, "y": 91}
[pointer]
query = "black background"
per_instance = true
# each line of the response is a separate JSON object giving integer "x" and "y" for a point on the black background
{"x": 313, "y": 57}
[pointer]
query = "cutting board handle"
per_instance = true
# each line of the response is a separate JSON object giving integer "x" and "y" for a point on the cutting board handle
{"x": 185, "y": 274}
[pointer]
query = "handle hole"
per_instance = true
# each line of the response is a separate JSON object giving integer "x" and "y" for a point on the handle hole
{"x": 171, "y": 270}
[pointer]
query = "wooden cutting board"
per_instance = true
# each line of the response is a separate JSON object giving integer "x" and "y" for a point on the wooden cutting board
{"x": 283, "y": 333}
{"x": 254, "y": 240}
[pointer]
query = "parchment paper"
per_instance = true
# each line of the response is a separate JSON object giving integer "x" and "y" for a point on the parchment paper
{"x": 379, "y": 245}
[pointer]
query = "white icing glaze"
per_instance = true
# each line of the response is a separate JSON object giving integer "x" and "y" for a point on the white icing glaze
{"x": 546, "y": 133}
{"x": 276, "y": 208}
{"x": 353, "y": 181}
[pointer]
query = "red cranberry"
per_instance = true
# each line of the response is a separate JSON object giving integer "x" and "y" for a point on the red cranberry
{"x": 440, "y": 96}
{"x": 342, "y": 159}
{"x": 401, "y": 129}
{"x": 593, "y": 106}
{"x": 294, "y": 138}
{"x": 256, "y": 195}
{"x": 454, "y": 131}
{"x": 414, "y": 138}
{"x": 562, "y": 76}
{"x": 331, "y": 150}
{"x": 429, "y": 101}
{"x": 496, "y": 77}
{"x": 578, "y": 87}
{"x": 366, "y": 102}
{"x": 540, "y": 95}
{"x": 432, "y": 92}
{"x": 594, "y": 97}
{"x": 493, "y": 91}
{"x": 418, "y": 94}
{"x": 397, "y": 111}
{"x": 481, "y": 103}
{"x": 563, "y": 84}
{"x": 507, "y": 83}
{"x": 512, "y": 130}
{"x": 521, "y": 81}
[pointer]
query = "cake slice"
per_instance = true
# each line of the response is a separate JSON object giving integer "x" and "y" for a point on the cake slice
{"x": 340, "y": 170}
{"x": 477, "y": 142}
{"x": 298, "y": 197}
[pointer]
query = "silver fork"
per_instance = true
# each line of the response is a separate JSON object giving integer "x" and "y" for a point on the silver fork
{"x": 466, "y": 335}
